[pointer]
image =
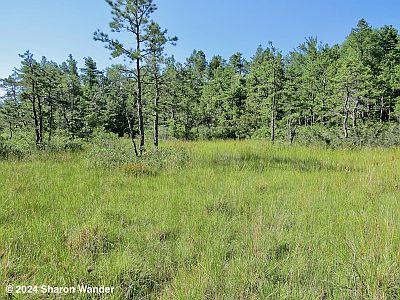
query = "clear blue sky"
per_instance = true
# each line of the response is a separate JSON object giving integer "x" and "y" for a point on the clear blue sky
{"x": 55, "y": 28}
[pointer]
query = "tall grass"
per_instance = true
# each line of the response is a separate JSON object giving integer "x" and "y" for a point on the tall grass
{"x": 239, "y": 220}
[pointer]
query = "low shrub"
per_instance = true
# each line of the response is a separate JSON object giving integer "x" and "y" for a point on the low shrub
{"x": 22, "y": 144}
{"x": 62, "y": 142}
{"x": 364, "y": 135}
{"x": 15, "y": 148}
{"x": 319, "y": 135}
{"x": 118, "y": 152}
{"x": 110, "y": 153}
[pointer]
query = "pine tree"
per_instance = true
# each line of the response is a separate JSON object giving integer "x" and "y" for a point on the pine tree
{"x": 266, "y": 83}
{"x": 132, "y": 16}
{"x": 156, "y": 41}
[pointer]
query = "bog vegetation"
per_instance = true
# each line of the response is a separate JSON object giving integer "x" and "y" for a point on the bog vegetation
{"x": 205, "y": 179}
{"x": 208, "y": 220}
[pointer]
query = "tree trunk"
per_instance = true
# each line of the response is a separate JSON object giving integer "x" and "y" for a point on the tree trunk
{"x": 131, "y": 135}
{"x": 50, "y": 124}
{"x": 272, "y": 125}
{"x": 345, "y": 128}
{"x": 139, "y": 94}
{"x": 35, "y": 118}
{"x": 156, "y": 116}
{"x": 37, "y": 126}
{"x": 40, "y": 108}
{"x": 354, "y": 114}
{"x": 292, "y": 131}
{"x": 346, "y": 115}
{"x": 66, "y": 120}
{"x": 273, "y": 109}
{"x": 11, "y": 131}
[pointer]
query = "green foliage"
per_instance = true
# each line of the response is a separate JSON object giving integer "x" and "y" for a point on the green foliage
{"x": 331, "y": 95}
{"x": 319, "y": 135}
{"x": 61, "y": 142}
{"x": 241, "y": 220}
{"x": 21, "y": 145}
{"x": 8, "y": 150}
{"x": 108, "y": 152}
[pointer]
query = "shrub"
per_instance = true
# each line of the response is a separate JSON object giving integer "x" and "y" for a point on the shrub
{"x": 17, "y": 147}
{"x": 118, "y": 152}
{"x": 375, "y": 134}
{"x": 367, "y": 134}
{"x": 110, "y": 153}
{"x": 62, "y": 142}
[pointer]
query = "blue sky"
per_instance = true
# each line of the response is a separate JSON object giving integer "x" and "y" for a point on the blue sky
{"x": 55, "y": 28}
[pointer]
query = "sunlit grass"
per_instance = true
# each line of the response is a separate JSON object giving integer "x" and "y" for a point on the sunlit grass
{"x": 242, "y": 220}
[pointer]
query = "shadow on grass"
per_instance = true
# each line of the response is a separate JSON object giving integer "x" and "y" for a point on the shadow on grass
{"x": 260, "y": 162}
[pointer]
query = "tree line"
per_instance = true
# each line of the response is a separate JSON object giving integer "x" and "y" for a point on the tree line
{"x": 337, "y": 93}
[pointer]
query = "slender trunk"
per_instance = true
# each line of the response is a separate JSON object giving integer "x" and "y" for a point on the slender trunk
{"x": 381, "y": 110}
{"x": 173, "y": 114}
{"x": 156, "y": 116}
{"x": 345, "y": 129}
{"x": 129, "y": 118}
{"x": 273, "y": 108}
{"x": 323, "y": 113}
{"x": 36, "y": 122}
{"x": 292, "y": 131}
{"x": 35, "y": 117}
{"x": 346, "y": 115}
{"x": 272, "y": 125}
{"x": 11, "y": 131}
{"x": 293, "y": 135}
{"x": 323, "y": 100}
{"x": 139, "y": 94}
{"x": 354, "y": 114}
{"x": 50, "y": 123}
{"x": 40, "y": 118}
{"x": 66, "y": 121}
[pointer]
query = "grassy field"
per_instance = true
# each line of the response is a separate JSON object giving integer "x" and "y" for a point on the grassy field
{"x": 241, "y": 220}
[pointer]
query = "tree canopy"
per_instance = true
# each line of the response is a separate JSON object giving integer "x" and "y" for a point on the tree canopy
{"x": 347, "y": 93}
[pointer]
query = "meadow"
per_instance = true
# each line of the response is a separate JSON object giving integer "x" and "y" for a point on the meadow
{"x": 235, "y": 220}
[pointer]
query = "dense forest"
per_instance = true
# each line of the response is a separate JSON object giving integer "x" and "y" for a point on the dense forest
{"x": 334, "y": 95}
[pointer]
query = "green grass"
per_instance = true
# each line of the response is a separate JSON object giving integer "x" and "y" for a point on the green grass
{"x": 242, "y": 220}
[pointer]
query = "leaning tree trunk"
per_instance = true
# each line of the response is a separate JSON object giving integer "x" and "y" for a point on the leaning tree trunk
{"x": 129, "y": 118}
